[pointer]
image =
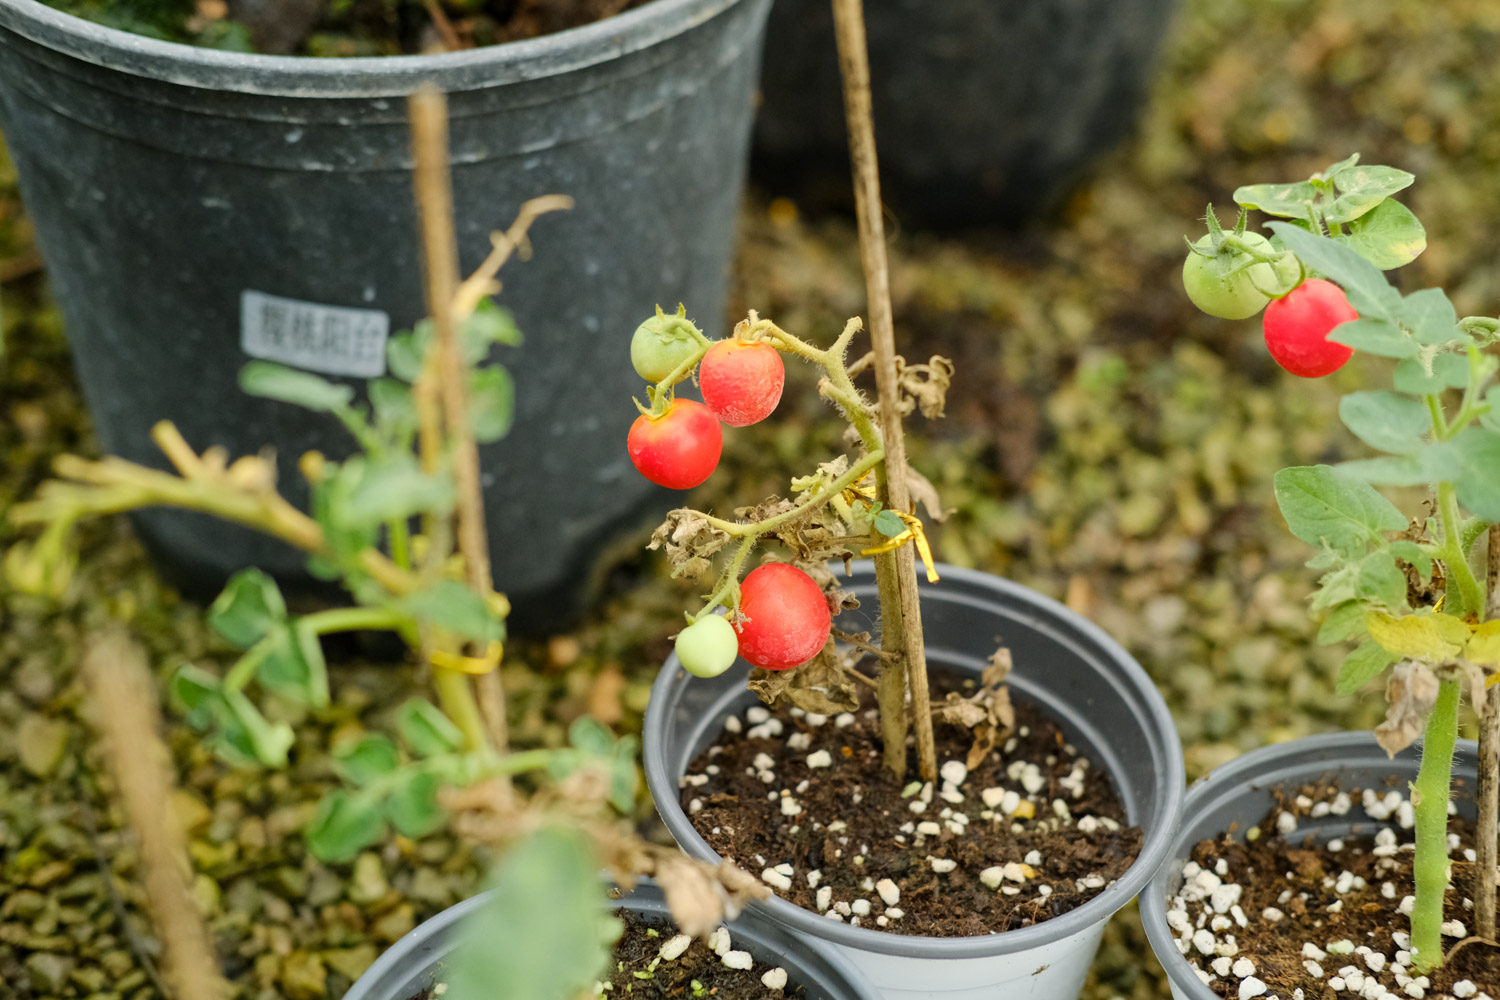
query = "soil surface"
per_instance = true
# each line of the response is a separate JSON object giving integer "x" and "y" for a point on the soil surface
{"x": 1304, "y": 916}
{"x": 643, "y": 972}
{"x": 1031, "y": 833}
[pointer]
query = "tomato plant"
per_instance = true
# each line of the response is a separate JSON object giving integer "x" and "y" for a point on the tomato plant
{"x": 708, "y": 647}
{"x": 741, "y": 381}
{"x": 785, "y": 617}
{"x": 678, "y": 449}
{"x": 1297, "y": 326}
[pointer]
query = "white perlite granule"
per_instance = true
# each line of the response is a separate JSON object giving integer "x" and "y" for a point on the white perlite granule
{"x": 775, "y": 979}
{"x": 673, "y": 949}
{"x": 739, "y": 960}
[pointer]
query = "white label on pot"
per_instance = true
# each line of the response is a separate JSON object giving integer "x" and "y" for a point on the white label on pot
{"x": 335, "y": 340}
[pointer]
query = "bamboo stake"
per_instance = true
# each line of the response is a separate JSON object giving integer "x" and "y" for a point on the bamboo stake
{"x": 901, "y": 619}
{"x": 429, "y": 126}
{"x": 1489, "y": 767}
{"x": 126, "y": 714}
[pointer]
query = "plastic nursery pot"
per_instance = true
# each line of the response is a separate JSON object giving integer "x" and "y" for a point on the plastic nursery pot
{"x": 1104, "y": 701}
{"x": 986, "y": 110}
{"x": 412, "y": 963}
{"x": 196, "y": 208}
{"x": 1239, "y": 795}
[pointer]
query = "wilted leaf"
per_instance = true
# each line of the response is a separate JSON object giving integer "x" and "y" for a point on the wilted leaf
{"x": 820, "y": 686}
{"x": 1411, "y": 691}
{"x": 1484, "y": 645}
{"x": 686, "y": 536}
{"x": 925, "y": 387}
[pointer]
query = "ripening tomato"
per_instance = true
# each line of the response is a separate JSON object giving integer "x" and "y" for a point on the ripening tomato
{"x": 678, "y": 449}
{"x": 741, "y": 381}
{"x": 786, "y": 618}
{"x": 1298, "y": 324}
{"x": 708, "y": 647}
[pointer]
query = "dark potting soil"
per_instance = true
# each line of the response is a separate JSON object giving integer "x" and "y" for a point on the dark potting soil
{"x": 653, "y": 962}
{"x": 642, "y": 971}
{"x": 801, "y": 800}
{"x": 1306, "y": 919}
{"x": 330, "y": 28}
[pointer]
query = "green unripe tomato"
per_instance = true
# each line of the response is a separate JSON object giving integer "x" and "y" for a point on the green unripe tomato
{"x": 661, "y": 344}
{"x": 1235, "y": 296}
{"x": 708, "y": 647}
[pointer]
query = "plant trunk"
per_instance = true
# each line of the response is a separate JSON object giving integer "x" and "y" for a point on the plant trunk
{"x": 1488, "y": 826}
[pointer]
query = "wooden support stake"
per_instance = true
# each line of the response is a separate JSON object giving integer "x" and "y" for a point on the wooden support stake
{"x": 1489, "y": 767}
{"x": 902, "y": 623}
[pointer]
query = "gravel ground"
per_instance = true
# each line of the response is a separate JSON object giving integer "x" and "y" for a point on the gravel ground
{"x": 1105, "y": 444}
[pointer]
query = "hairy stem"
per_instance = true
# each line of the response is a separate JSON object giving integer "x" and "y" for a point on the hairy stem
{"x": 1464, "y": 595}
{"x": 1430, "y": 803}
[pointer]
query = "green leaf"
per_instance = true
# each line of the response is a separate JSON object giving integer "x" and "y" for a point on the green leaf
{"x": 487, "y": 324}
{"x": 330, "y": 505}
{"x": 412, "y": 806}
{"x": 344, "y": 824}
{"x": 395, "y": 411}
{"x": 542, "y": 933}
{"x": 1376, "y": 336}
{"x": 1491, "y": 420}
{"x": 1286, "y": 200}
{"x": 449, "y": 604}
{"x": 888, "y": 524}
{"x": 196, "y": 693}
{"x": 1367, "y": 660}
{"x": 1387, "y": 237}
{"x": 426, "y": 730}
{"x": 1345, "y": 621}
{"x": 492, "y": 403}
{"x": 1322, "y": 507}
{"x": 1415, "y": 554}
{"x": 1386, "y": 420}
{"x": 1449, "y": 371}
{"x": 1363, "y": 190}
{"x": 370, "y": 757}
{"x": 1380, "y": 581}
{"x": 273, "y": 381}
{"x": 591, "y": 736}
{"x": 248, "y": 609}
{"x": 1369, "y": 293}
{"x": 624, "y": 780}
{"x": 1430, "y": 316}
{"x": 1431, "y": 463}
{"x": 1476, "y": 453}
{"x": 405, "y": 351}
{"x": 392, "y": 488}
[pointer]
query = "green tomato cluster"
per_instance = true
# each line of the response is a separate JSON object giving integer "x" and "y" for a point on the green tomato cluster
{"x": 1231, "y": 284}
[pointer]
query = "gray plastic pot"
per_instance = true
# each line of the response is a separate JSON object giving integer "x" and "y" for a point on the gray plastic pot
{"x": 1064, "y": 663}
{"x": 174, "y": 188}
{"x": 985, "y": 110}
{"x": 412, "y": 963}
{"x": 1240, "y": 794}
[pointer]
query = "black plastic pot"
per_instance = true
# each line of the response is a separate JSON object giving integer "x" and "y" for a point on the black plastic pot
{"x": 986, "y": 111}
{"x": 1104, "y": 701}
{"x": 1241, "y": 793}
{"x": 172, "y": 188}
{"x": 412, "y": 963}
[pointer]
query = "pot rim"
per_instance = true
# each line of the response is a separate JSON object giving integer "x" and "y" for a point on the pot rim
{"x": 408, "y": 948}
{"x": 1153, "y": 852}
{"x": 1329, "y": 750}
{"x": 360, "y": 76}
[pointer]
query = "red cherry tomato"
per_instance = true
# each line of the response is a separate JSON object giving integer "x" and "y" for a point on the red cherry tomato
{"x": 1297, "y": 327}
{"x": 786, "y": 617}
{"x": 741, "y": 382}
{"x": 678, "y": 449}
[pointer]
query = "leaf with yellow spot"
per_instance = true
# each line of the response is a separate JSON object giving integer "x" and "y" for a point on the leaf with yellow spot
{"x": 1418, "y": 637}
{"x": 1484, "y": 647}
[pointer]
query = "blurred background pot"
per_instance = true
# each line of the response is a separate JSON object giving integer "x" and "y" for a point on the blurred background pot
{"x": 1241, "y": 793}
{"x": 1106, "y": 704}
{"x": 197, "y": 207}
{"x": 985, "y": 110}
{"x": 412, "y": 964}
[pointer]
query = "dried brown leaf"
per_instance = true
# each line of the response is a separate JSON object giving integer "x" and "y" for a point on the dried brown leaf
{"x": 925, "y": 387}
{"x": 687, "y": 538}
{"x": 1412, "y": 691}
{"x": 820, "y": 686}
